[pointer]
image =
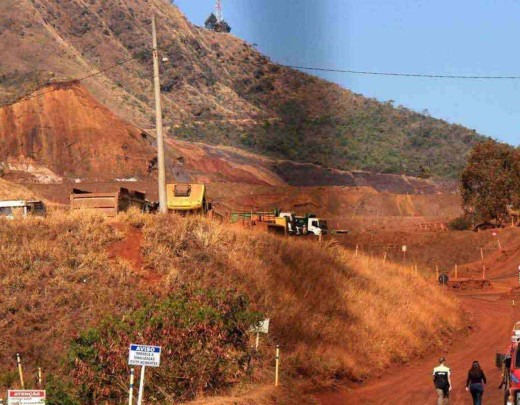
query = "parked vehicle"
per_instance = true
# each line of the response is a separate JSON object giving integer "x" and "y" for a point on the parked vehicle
{"x": 110, "y": 203}
{"x": 12, "y": 209}
{"x": 187, "y": 197}
{"x": 510, "y": 365}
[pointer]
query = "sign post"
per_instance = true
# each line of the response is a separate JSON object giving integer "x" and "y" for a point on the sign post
{"x": 26, "y": 397}
{"x": 144, "y": 356}
{"x": 404, "y": 249}
{"x": 131, "y": 391}
{"x": 141, "y": 386}
{"x": 262, "y": 327}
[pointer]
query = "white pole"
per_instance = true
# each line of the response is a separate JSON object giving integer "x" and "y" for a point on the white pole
{"x": 141, "y": 387}
{"x": 257, "y": 340}
{"x": 131, "y": 394}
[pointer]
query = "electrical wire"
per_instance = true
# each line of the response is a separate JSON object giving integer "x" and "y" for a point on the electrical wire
{"x": 32, "y": 95}
{"x": 420, "y": 75}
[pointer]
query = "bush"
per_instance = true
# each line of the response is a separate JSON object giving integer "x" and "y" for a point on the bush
{"x": 204, "y": 335}
{"x": 462, "y": 223}
{"x": 59, "y": 392}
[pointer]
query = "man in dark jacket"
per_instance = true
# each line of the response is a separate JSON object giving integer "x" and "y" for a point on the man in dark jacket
{"x": 442, "y": 382}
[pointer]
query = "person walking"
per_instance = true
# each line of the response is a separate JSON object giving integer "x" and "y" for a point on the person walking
{"x": 442, "y": 382}
{"x": 475, "y": 382}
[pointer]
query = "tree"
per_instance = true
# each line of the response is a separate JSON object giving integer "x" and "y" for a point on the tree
{"x": 212, "y": 23}
{"x": 491, "y": 180}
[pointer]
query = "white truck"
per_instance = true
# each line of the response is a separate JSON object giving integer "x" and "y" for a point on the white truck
{"x": 308, "y": 224}
{"x": 12, "y": 209}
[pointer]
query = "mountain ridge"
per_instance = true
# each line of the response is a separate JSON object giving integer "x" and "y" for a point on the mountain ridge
{"x": 218, "y": 89}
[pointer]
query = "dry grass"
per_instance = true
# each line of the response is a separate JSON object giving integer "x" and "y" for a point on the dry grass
{"x": 13, "y": 191}
{"x": 335, "y": 315}
{"x": 56, "y": 279}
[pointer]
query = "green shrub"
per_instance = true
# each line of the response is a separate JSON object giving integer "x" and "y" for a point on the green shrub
{"x": 462, "y": 223}
{"x": 59, "y": 392}
{"x": 203, "y": 333}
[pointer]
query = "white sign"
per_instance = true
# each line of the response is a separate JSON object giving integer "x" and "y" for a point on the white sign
{"x": 23, "y": 397}
{"x": 141, "y": 355}
{"x": 262, "y": 327}
{"x": 404, "y": 248}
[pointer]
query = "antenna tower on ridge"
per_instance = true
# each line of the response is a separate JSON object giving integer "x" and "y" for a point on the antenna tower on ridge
{"x": 218, "y": 11}
{"x": 215, "y": 21}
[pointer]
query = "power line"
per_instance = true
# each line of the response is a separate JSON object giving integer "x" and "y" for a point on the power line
{"x": 31, "y": 95}
{"x": 426, "y": 76}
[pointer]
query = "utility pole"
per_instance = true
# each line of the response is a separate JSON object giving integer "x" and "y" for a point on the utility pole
{"x": 163, "y": 209}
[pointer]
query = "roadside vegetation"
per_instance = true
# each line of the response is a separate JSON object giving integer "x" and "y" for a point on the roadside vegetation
{"x": 72, "y": 307}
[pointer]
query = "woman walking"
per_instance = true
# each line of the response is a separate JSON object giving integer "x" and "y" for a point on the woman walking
{"x": 475, "y": 383}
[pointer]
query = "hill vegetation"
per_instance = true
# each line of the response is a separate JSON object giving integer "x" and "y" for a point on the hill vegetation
{"x": 80, "y": 289}
{"x": 218, "y": 89}
{"x": 490, "y": 184}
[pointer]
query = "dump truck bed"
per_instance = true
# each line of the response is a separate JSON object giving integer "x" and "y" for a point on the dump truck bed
{"x": 186, "y": 197}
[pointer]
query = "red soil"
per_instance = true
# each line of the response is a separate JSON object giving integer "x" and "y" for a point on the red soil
{"x": 492, "y": 317}
{"x": 69, "y": 132}
{"x": 129, "y": 249}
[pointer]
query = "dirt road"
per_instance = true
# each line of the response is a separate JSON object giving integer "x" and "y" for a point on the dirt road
{"x": 493, "y": 316}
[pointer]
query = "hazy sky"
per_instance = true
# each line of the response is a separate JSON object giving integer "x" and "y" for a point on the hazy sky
{"x": 463, "y": 37}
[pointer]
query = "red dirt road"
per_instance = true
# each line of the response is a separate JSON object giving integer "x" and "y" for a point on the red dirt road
{"x": 493, "y": 316}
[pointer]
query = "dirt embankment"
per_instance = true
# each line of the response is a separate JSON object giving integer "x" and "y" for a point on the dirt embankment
{"x": 64, "y": 129}
{"x": 61, "y": 131}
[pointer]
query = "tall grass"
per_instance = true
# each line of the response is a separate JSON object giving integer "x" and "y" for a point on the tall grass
{"x": 335, "y": 315}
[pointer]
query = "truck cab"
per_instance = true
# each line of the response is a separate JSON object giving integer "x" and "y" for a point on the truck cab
{"x": 316, "y": 226}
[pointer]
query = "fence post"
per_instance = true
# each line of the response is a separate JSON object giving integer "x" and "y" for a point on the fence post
{"x": 20, "y": 371}
{"x": 131, "y": 390}
{"x": 277, "y": 368}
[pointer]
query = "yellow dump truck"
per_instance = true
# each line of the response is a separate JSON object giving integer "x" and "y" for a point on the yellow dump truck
{"x": 187, "y": 197}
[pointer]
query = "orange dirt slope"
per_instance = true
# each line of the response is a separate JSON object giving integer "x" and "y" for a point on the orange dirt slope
{"x": 63, "y": 128}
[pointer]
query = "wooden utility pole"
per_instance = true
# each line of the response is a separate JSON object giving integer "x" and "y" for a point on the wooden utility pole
{"x": 163, "y": 209}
